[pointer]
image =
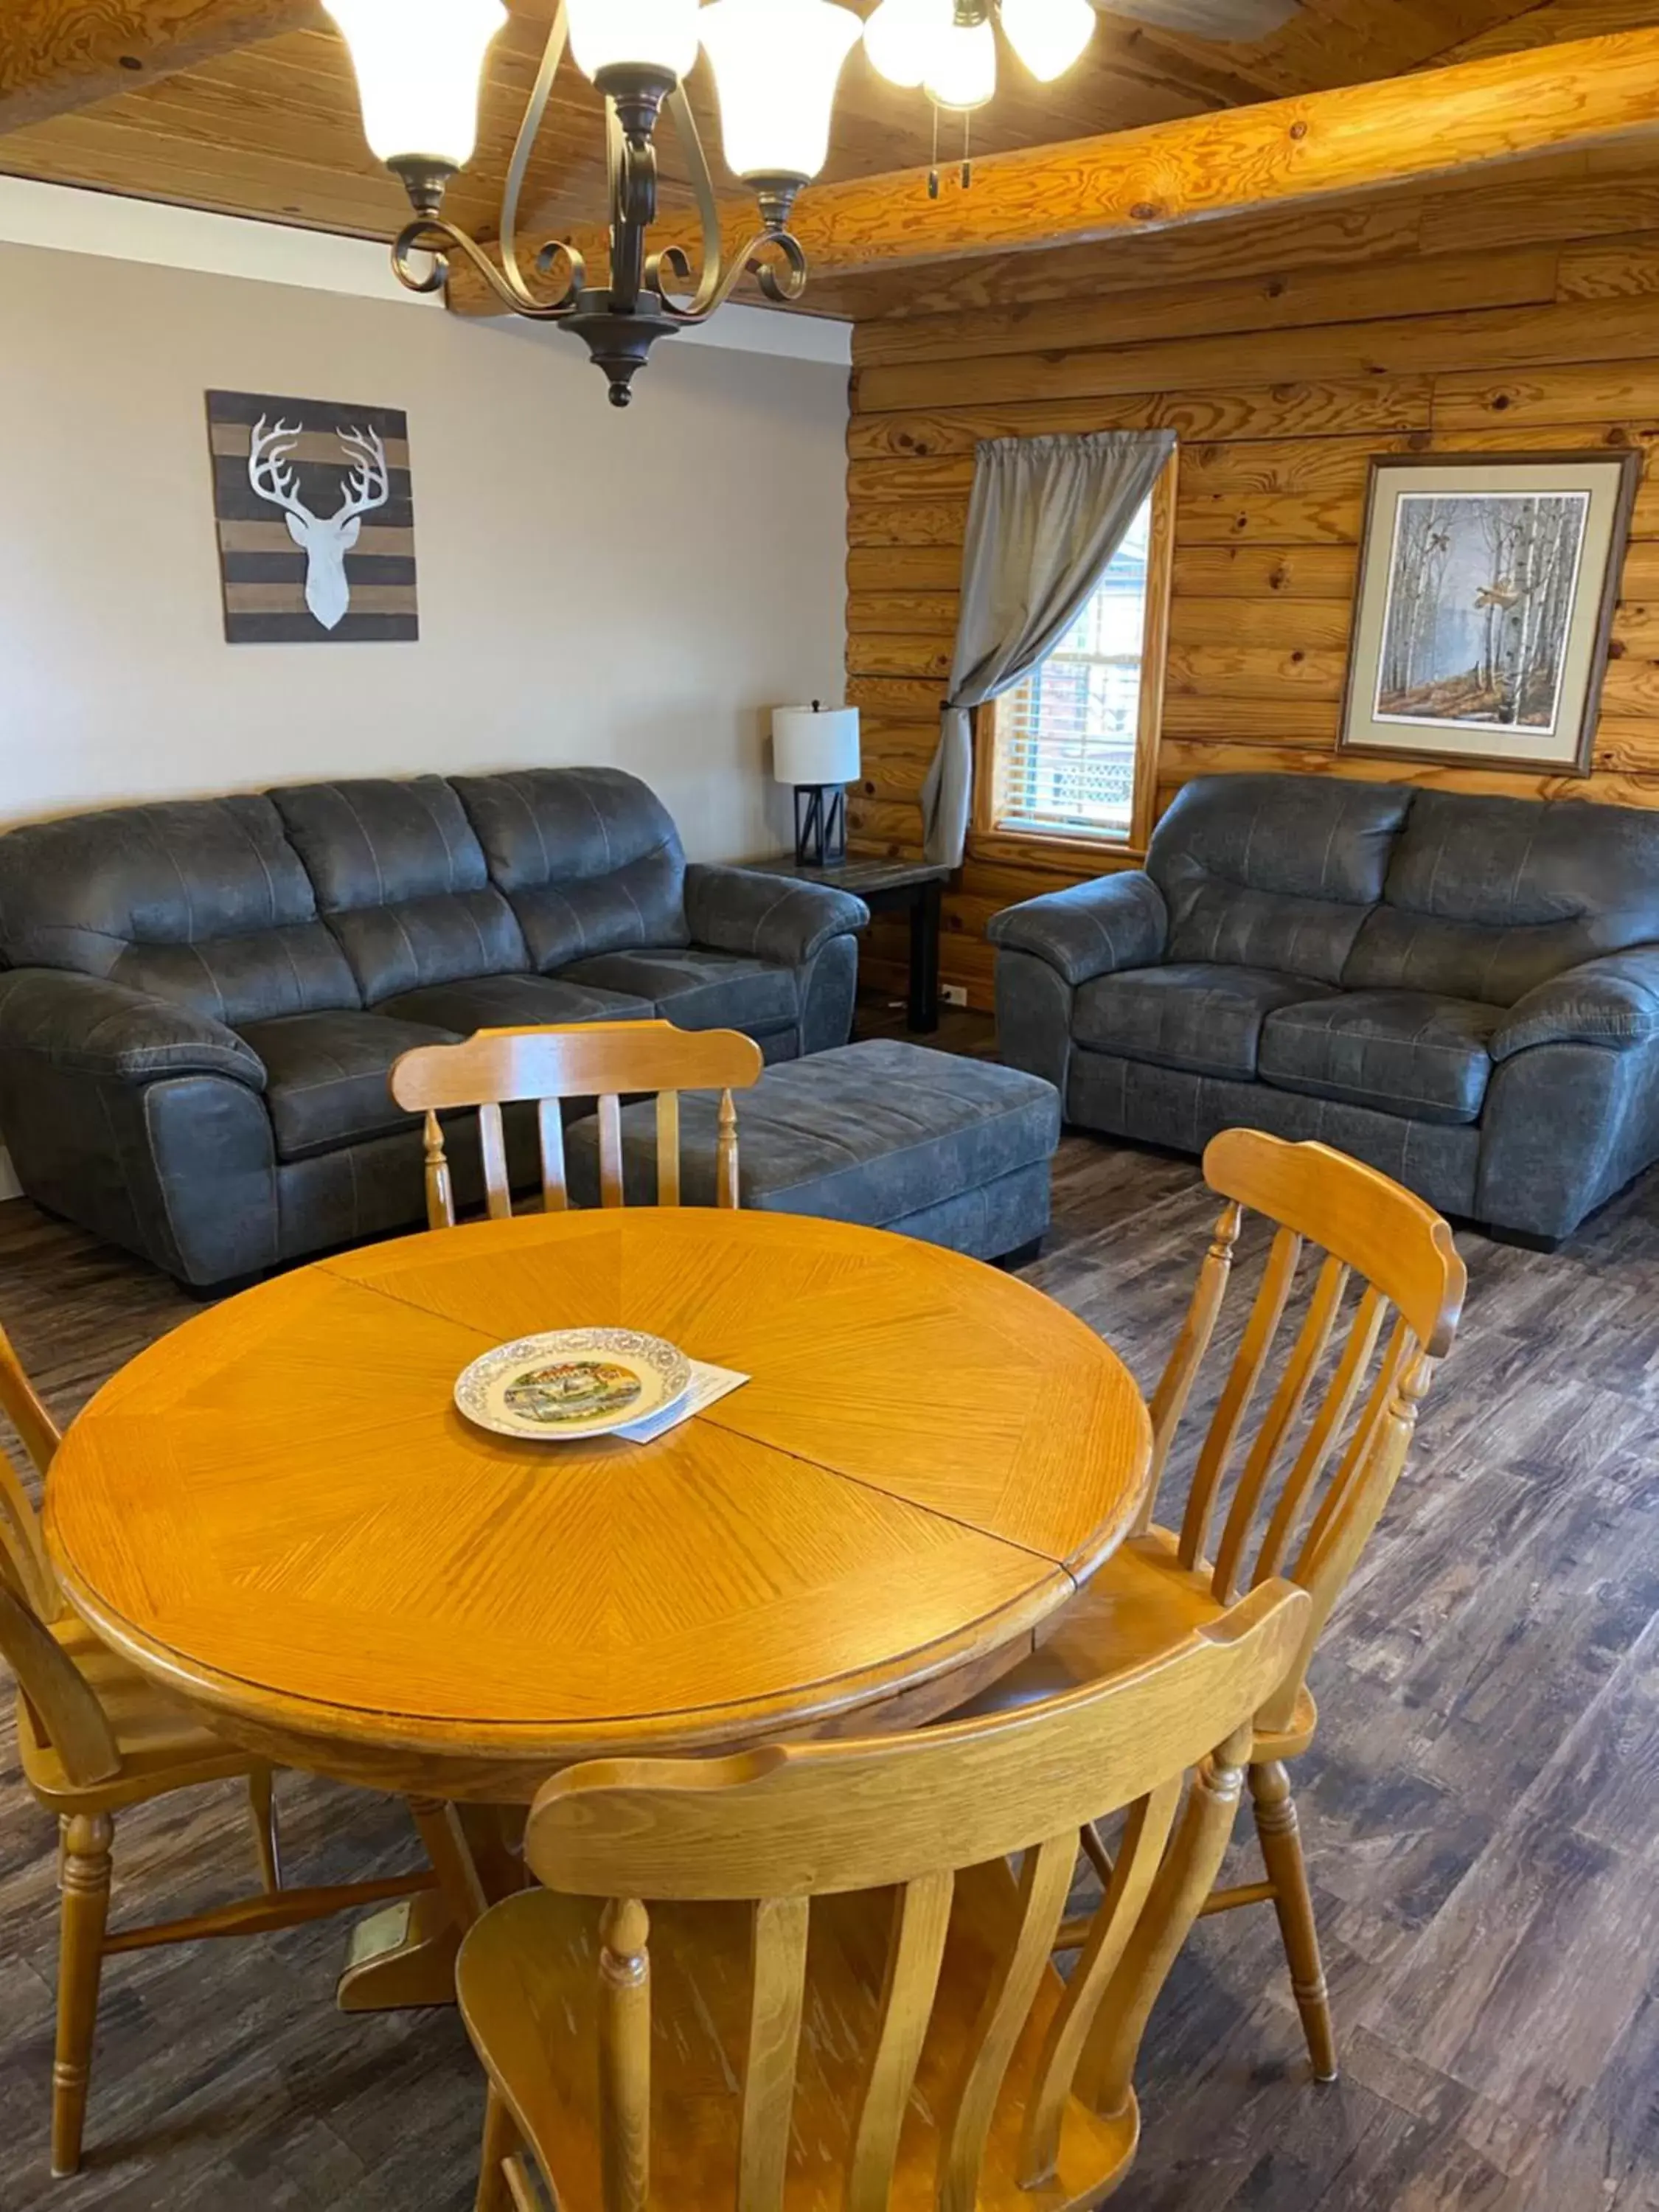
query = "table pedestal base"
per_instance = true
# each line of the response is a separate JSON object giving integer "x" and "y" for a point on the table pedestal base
{"x": 401, "y": 1958}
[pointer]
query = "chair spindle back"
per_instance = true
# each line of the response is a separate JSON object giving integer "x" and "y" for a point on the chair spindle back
{"x": 603, "y": 1060}
{"x": 64, "y": 1707}
{"x": 1354, "y": 1411}
{"x": 772, "y": 1829}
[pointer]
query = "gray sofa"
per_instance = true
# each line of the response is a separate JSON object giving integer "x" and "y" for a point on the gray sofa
{"x": 1462, "y": 991}
{"x": 200, "y": 1002}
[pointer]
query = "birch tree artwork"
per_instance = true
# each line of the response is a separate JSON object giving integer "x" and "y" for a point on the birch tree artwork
{"x": 1482, "y": 591}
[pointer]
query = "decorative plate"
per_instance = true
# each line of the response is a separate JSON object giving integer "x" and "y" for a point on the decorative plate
{"x": 573, "y": 1382}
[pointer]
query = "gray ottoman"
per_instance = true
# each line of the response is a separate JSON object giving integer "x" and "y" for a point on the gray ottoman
{"x": 955, "y": 1152}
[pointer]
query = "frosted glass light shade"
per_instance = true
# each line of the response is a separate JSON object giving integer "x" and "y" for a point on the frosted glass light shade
{"x": 815, "y": 745}
{"x": 964, "y": 70}
{"x": 659, "y": 34}
{"x": 776, "y": 64}
{"x": 903, "y": 35}
{"x": 420, "y": 67}
{"x": 1048, "y": 35}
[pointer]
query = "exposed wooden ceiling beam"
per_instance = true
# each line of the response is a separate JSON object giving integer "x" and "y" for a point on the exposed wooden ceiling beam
{"x": 58, "y": 55}
{"x": 1435, "y": 123}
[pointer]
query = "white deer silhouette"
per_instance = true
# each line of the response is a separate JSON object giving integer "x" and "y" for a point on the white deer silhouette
{"x": 325, "y": 539}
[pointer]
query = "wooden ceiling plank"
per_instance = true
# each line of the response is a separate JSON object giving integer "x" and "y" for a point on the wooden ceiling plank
{"x": 1547, "y": 22}
{"x": 59, "y": 55}
{"x": 1469, "y": 116}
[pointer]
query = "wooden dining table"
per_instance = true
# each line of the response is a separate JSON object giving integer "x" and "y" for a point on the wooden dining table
{"x": 278, "y": 1512}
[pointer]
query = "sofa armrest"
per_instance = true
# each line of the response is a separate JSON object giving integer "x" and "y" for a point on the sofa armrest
{"x": 1092, "y": 929}
{"x": 767, "y": 917}
{"x": 1611, "y": 1002}
{"x": 83, "y": 1025}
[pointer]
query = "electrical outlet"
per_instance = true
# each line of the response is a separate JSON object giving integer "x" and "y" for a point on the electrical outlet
{"x": 954, "y": 994}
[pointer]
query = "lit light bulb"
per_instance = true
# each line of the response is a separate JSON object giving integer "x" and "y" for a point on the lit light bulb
{"x": 656, "y": 34}
{"x": 1048, "y": 35}
{"x": 776, "y": 64}
{"x": 420, "y": 69}
{"x": 903, "y": 37}
{"x": 963, "y": 72}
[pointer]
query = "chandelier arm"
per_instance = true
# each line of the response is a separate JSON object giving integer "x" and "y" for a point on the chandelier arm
{"x": 782, "y": 287}
{"x": 518, "y": 294}
{"x": 433, "y": 234}
{"x": 708, "y": 293}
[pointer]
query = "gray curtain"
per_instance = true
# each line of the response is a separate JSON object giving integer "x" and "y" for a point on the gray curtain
{"x": 1046, "y": 517}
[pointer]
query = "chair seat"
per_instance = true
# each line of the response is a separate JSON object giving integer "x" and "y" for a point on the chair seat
{"x": 1414, "y": 1053}
{"x": 1203, "y": 1017}
{"x": 1141, "y": 1601}
{"x": 527, "y": 1979}
{"x": 163, "y": 1746}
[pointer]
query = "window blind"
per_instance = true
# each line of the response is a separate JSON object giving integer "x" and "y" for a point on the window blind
{"x": 1065, "y": 739}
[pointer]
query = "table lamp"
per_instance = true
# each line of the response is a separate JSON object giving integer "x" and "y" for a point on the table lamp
{"x": 817, "y": 749}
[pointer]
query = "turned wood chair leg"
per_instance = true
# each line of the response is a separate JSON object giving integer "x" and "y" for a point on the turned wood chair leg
{"x": 267, "y": 1836}
{"x": 87, "y": 1839}
{"x": 1282, "y": 1850}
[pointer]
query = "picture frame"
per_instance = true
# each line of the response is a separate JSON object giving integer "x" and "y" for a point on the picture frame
{"x": 313, "y": 509}
{"x": 1483, "y": 616}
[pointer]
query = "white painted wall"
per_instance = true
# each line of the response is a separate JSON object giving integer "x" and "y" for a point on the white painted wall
{"x": 637, "y": 588}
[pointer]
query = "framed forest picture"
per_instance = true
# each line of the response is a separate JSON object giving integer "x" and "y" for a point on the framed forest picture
{"x": 1487, "y": 584}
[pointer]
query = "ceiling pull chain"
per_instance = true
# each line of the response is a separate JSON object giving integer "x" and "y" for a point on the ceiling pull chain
{"x": 933, "y": 166}
{"x": 967, "y": 150}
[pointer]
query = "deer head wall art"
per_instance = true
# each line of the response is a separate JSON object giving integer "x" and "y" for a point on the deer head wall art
{"x": 316, "y": 521}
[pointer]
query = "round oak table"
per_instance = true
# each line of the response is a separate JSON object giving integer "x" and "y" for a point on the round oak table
{"x": 278, "y": 1511}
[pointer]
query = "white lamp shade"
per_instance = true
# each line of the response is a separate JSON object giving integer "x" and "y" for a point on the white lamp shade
{"x": 1048, "y": 35}
{"x": 776, "y": 64}
{"x": 609, "y": 33}
{"x": 420, "y": 69}
{"x": 964, "y": 70}
{"x": 815, "y": 745}
{"x": 903, "y": 35}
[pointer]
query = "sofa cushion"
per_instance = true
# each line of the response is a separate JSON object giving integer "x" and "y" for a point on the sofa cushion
{"x": 1202, "y": 1016}
{"x": 589, "y": 858}
{"x": 1405, "y": 1052}
{"x": 204, "y": 904}
{"x": 402, "y": 881}
{"x": 869, "y": 1132}
{"x": 329, "y": 1077}
{"x": 696, "y": 989}
{"x": 1273, "y": 871}
{"x": 514, "y": 1002}
{"x": 1487, "y": 898}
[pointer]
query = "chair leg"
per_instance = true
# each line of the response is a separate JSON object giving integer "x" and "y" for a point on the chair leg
{"x": 267, "y": 1836}
{"x": 1281, "y": 1852}
{"x": 87, "y": 1839}
{"x": 501, "y": 2141}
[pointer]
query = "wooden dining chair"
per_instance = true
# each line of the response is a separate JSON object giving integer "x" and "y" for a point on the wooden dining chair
{"x": 602, "y": 1060}
{"x": 813, "y": 1962}
{"x": 96, "y": 1736}
{"x": 1319, "y": 1469}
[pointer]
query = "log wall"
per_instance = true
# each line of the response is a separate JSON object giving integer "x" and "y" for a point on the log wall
{"x": 1518, "y": 318}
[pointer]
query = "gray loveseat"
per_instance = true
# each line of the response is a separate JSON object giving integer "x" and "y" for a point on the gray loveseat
{"x": 201, "y": 1002}
{"x": 1463, "y": 991}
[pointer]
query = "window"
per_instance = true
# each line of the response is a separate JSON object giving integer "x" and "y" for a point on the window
{"x": 1072, "y": 750}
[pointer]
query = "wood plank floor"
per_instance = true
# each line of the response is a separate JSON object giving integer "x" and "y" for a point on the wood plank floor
{"x": 1479, "y": 1811}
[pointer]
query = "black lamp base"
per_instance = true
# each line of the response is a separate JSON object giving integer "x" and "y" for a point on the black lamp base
{"x": 820, "y": 825}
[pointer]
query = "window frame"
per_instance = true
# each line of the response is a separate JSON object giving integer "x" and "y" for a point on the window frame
{"x": 1066, "y": 849}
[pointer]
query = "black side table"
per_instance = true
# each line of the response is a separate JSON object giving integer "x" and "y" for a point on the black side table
{"x": 915, "y": 887}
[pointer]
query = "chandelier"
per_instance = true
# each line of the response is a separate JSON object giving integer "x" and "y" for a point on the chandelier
{"x": 776, "y": 65}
